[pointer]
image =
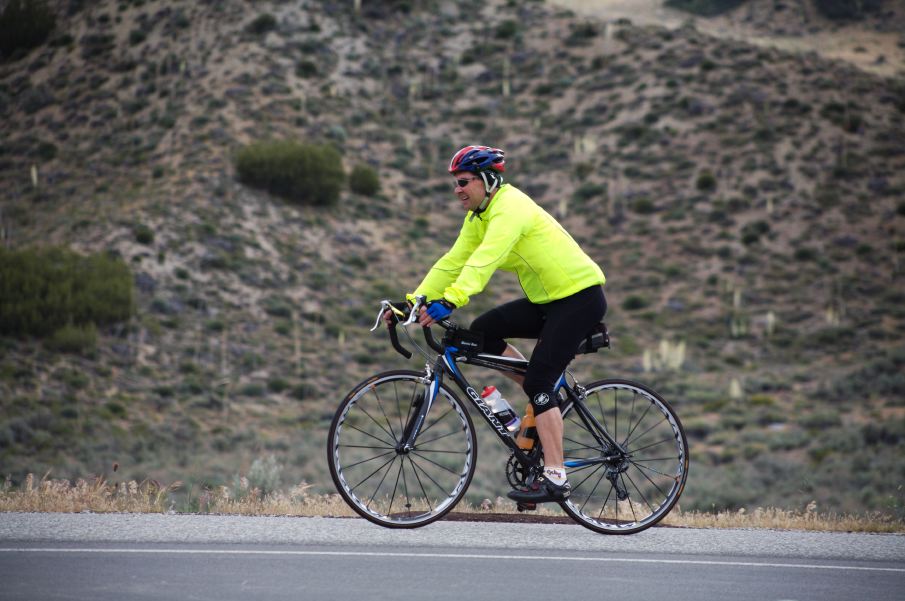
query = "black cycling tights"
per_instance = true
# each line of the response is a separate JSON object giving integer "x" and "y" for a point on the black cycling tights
{"x": 559, "y": 327}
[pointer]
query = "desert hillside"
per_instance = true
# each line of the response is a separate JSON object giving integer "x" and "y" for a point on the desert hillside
{"x": 746, "y": 203}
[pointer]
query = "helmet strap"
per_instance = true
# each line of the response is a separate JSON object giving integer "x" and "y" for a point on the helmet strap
{"x": 492, "y": 183}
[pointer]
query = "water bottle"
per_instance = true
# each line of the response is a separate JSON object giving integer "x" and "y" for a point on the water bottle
{"x": 501, "y": 408}
{"x": 528, "y": 434}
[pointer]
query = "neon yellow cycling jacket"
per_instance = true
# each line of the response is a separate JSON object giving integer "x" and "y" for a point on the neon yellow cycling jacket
{"x": 517, "y": 235}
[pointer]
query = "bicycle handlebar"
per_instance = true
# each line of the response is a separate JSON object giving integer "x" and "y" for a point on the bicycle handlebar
{"x": 411, "y": 318}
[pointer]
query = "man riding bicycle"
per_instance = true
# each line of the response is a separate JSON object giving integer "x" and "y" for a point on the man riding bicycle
{"x": 505, "y": 229}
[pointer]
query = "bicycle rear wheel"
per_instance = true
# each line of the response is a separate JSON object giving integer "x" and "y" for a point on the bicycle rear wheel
{"x": 381, "y": 481}
{"x": 616, "y": 492}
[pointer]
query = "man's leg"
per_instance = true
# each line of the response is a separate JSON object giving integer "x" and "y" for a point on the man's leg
{"x": 567, "y": 322}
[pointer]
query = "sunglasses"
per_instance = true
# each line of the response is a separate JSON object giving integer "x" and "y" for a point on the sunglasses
{"x": 462, "y": 182}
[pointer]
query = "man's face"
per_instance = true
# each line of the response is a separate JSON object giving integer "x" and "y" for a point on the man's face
{"x": 472, "y": 193}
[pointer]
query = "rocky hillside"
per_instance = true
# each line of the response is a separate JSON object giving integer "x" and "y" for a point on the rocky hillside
{"x": 746, "y": 205}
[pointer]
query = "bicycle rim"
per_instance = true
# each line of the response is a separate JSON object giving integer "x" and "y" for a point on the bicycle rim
{"x": 623, "y": 494}
{"x": 383, "y": 484}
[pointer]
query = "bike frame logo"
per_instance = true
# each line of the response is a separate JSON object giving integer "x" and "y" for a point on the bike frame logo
{"x": 487, "y": 411}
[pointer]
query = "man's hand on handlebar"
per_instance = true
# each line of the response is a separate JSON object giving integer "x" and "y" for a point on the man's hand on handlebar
{"x": 389, "y": 315}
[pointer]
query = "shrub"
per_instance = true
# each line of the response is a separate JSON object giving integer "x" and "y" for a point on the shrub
{"x": 706, "y": 181}
{"x": 143, "y": 234}
{"x": 24, "y": 24}
{"x": 847, "y": 9}
{"x": 643, "y": 206}
{"x": 507, "y": 29}
{"x": 634, "y": 302}
{"x": 42, "y": 290}
{"x": 73, "y": 339}
{"x": 262, "y": 24}
{"x": 364, "y": 180}
{"x": 706, "y": 8}
{"x": 304, "y": 173}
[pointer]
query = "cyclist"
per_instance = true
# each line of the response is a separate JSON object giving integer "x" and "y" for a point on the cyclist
{"x": 505, "y": 229}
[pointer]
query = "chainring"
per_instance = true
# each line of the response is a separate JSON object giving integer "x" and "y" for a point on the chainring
{"x": 520, "y": 476}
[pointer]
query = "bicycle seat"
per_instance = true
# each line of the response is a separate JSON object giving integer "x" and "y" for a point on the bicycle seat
{"x": 597, "y": 338}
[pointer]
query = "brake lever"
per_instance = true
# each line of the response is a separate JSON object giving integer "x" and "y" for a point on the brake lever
{"x": 384, "y": 306}
{"x": 413, "y": 314}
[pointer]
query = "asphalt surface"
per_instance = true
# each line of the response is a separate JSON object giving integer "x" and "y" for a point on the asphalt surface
{"x": 122, "y": 556}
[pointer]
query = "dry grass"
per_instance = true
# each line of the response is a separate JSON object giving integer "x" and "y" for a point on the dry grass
{"x": 102, "y": 496}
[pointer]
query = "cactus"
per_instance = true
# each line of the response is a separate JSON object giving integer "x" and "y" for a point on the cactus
{"x": 735, "y": 390}
{"x": 507, "y": 85}
{"x": 34, "y": 176}
{"x": 770, "y": 323}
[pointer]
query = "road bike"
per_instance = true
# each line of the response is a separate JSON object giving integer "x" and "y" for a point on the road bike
{"x": 402, "y": 448}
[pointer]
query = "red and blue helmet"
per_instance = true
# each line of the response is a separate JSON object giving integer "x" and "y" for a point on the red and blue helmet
{"x": 477, "y": 159}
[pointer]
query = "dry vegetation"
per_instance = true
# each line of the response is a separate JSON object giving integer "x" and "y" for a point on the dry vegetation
{"x": 101, "y": 496}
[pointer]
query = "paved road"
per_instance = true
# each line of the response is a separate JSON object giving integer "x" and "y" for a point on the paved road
{"x": 100, "y": 557}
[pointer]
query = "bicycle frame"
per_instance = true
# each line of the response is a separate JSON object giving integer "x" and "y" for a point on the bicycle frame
{"x": 446, "y": 365}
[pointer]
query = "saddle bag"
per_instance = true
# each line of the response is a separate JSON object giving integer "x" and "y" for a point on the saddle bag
{"x": 470, "y": 343}
{"x": 597, "y": 338}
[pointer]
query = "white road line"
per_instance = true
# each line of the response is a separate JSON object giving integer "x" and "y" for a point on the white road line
{"x": 702, "y": 562}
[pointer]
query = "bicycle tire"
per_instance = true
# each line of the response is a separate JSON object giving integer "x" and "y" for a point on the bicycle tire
{"x": 373, "y": 475}
{"x": 652, "y": 476}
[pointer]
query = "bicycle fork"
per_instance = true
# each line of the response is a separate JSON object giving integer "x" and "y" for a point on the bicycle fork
{"x": 422, "y": 404}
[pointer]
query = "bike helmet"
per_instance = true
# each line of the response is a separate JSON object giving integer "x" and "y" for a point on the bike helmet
{"x": 484, "y": 161}
{"x": 477, "y": 159}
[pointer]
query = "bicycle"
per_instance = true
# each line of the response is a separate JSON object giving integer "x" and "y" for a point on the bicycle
{"x": 402, "y": 448}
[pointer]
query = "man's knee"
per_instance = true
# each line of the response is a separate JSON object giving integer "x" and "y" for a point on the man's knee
{"x": 540, "y": 394}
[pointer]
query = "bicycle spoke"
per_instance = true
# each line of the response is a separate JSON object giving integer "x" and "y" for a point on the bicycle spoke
{"x": 390, "y": 444}
{"x": 420, "y": 442}
{"x": 442, "y": 467}
{"x": 658, "y": 472}
{"x": 371, "y": 459}
{"x": 657, "y": 486}
{"x": 435, "y": 422}
{"x": 665, "y": 440}
{"x": 640, "y": 419}
{"x": 395, "y": 487}
{"x": 429, "y": 477}
{"x": 379, "y": 484}
{"x": 392, "y": 432}
{"x": 593, "y": 490}
{"x": 365, "y": 411}
{"x": 607, "y": 500}
{"x": 630, "y": 504}
{"x": 640, "y": 436}
{"x": 418, "y": 478}
{"x": 640, "y": 494}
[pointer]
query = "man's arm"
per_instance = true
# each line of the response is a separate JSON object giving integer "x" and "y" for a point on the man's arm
{"x": 503, "y": 232}
{"x": 449, "y": 266}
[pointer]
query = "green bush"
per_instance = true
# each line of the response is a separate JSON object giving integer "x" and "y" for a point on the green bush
{"x": 308, "y": 174}
{"x": 706, "y": 8}
{"x": 73, "y": 339}
{"x": 847, "y": 9}
{"x": 143, "y": 234}
{"x": 634, "y": 303}
{"x": 45, "y": 289}
{"x": 24, "y": 24}
{"x": 364, "y": 180}
{"x": 706, "y": 181}
{"x": 262, "y": 24}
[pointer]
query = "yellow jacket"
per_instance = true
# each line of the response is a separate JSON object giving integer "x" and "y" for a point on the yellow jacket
{"x": 517, "y": 235}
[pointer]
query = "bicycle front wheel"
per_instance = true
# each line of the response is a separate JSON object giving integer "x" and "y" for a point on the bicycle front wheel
{"x": 628, "y": 489}
{"x": 380, "y": 480}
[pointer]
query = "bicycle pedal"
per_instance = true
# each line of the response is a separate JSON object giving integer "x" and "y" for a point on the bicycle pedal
{"x": 526, "y": 506}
